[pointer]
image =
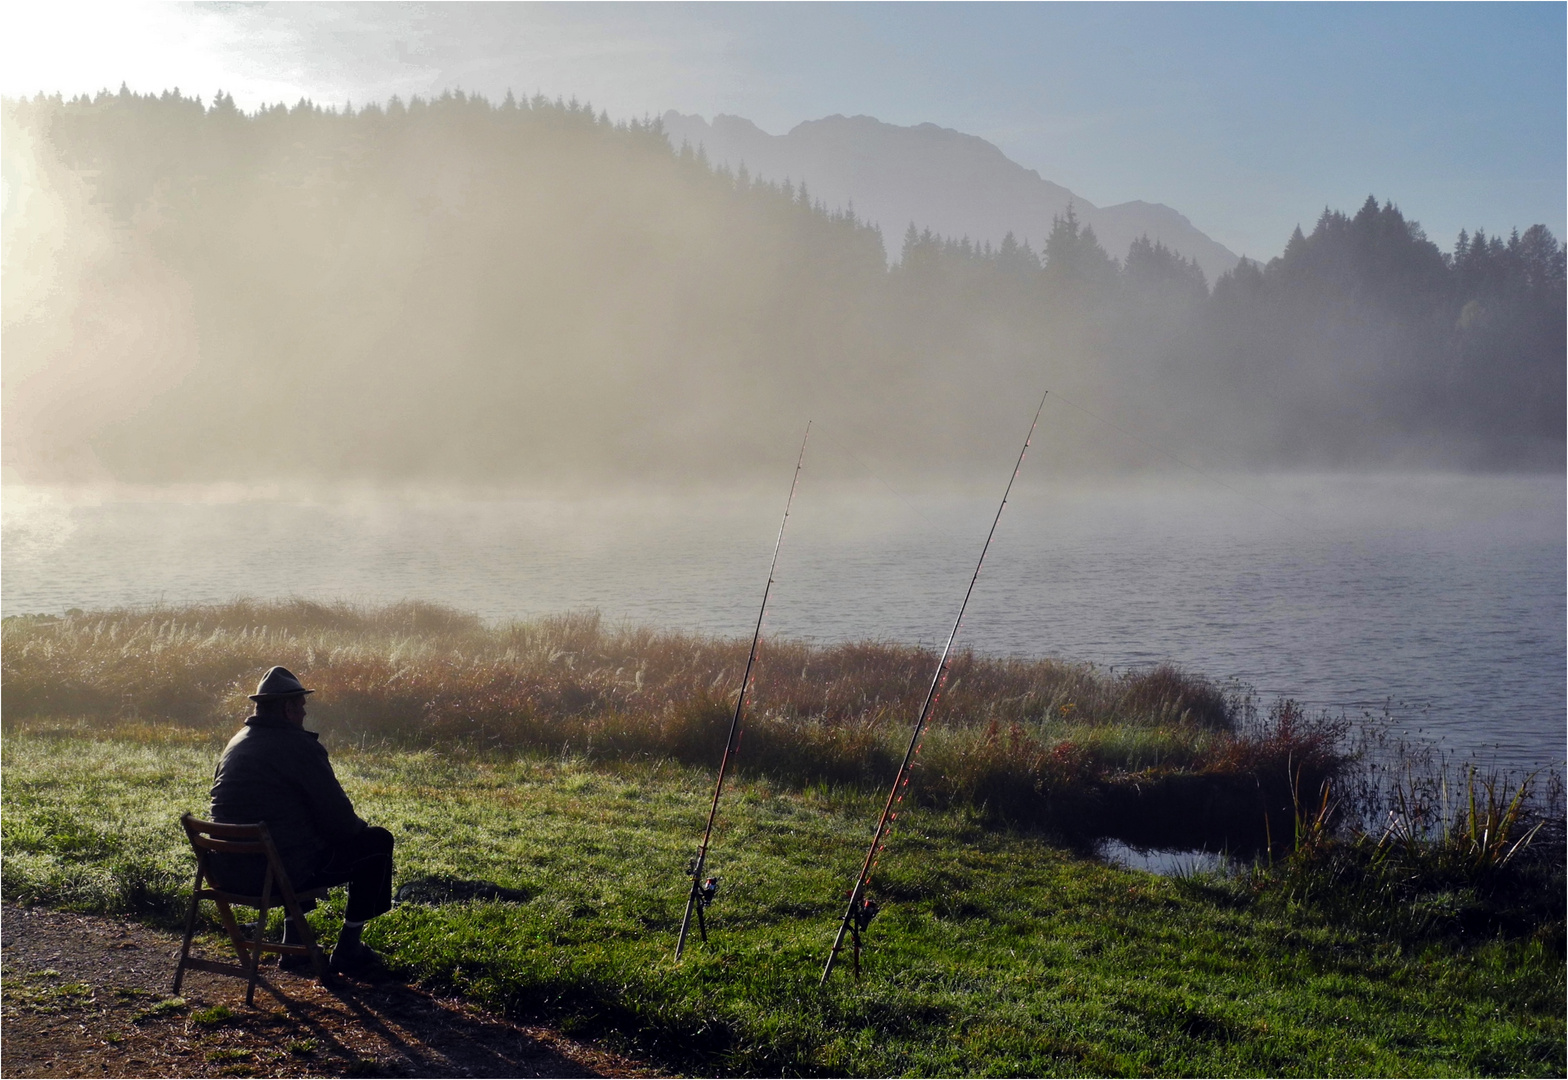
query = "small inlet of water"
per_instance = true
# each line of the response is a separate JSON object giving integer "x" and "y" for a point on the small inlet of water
{"x": 1166, "y": 862}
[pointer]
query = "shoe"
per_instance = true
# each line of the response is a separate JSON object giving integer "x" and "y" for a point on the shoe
{"x": 360, "y": 961}
{"x": 292, "y": 962}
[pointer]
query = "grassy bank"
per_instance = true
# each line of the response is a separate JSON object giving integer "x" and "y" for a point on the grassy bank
{"x": 1153, "y": 757}
{"x": 573, "y": 761}
{"x": 997, "y": 953}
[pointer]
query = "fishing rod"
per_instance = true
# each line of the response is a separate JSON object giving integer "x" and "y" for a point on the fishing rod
{"x": 861, "y": 907}
{"x": 703, "y": 890}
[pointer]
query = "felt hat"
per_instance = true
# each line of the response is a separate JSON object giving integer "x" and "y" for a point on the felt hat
{"x": 279, "y": 682}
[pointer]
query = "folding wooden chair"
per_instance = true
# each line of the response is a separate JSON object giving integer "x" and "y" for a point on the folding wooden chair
{"x": 210, "y": 838}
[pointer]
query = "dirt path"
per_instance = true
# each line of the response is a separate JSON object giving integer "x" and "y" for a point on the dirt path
{"x": 89, "y": 996}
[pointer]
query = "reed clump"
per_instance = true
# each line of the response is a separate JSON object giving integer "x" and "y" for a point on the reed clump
{"x": 1156, "y": 756}
{"x": 1446, "y": 852}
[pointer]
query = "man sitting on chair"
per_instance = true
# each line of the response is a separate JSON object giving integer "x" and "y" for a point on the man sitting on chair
{"x": 275, "y": 771}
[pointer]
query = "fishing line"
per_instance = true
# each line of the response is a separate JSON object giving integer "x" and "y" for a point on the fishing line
{"x": 902, "y": 498}
{"x": 1178, "y": 459}
{"x": 1353, "y": 548}
{"x": 899, "y": 495}
{"x": 861, "y": 909}
{"x": 703, "y": 890}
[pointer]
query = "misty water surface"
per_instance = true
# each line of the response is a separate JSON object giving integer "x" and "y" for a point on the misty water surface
{"x": 1438, "y": 598}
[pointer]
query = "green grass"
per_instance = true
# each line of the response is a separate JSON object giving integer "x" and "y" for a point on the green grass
{"x": 214, "y": 1016}
{"x": 996, "y": 953}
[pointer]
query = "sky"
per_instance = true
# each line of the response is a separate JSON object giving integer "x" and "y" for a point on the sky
{"x": 1247, "y": 118}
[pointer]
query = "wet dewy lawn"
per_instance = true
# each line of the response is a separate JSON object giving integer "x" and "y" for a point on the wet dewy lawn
{"x": 995, "y": 952}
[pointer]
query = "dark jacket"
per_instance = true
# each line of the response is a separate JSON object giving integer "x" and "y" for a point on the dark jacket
{"x": 275, "y": 772}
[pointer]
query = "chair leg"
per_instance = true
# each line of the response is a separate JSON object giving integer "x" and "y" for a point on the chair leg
{"x": 261, "y": 929}
{"x": 296, "y": 914}
{"x": 308, "y": 936}
{"x": 226, "y": 917}
{"x": 190, "y": 932}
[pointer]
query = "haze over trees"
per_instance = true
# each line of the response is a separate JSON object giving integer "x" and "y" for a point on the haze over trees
{"x": 526, "y": 291}
{"x": 957, "y": 184}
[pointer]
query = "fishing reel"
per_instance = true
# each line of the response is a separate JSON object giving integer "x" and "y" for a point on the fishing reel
{"x": 859, "y": 917}
{"x": 865, "y": 912}
{"x": 696, "y": 901}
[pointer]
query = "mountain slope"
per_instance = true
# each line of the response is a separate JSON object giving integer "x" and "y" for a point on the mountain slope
{"x": 955, "y": 184}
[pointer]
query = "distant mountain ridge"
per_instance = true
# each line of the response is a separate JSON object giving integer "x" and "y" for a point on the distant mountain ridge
{"x": 954, "y": 184}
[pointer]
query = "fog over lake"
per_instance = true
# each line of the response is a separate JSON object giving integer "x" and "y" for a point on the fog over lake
{"x": 1437, "y": 597}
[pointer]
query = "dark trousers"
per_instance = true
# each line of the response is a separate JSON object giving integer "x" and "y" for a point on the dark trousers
{"x": 363, "y": 862}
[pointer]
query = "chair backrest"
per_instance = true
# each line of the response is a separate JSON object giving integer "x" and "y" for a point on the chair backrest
{"x": 227, "y": 839}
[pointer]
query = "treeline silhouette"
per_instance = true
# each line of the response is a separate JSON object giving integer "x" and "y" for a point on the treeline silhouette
{"x": 457, "y": 289}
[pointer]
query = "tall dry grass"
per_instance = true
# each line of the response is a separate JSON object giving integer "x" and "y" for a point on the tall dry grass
{"x": 1157, "y": 755}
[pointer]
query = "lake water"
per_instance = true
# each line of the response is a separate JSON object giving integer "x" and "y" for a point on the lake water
{"x": 1437, "y": 598}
